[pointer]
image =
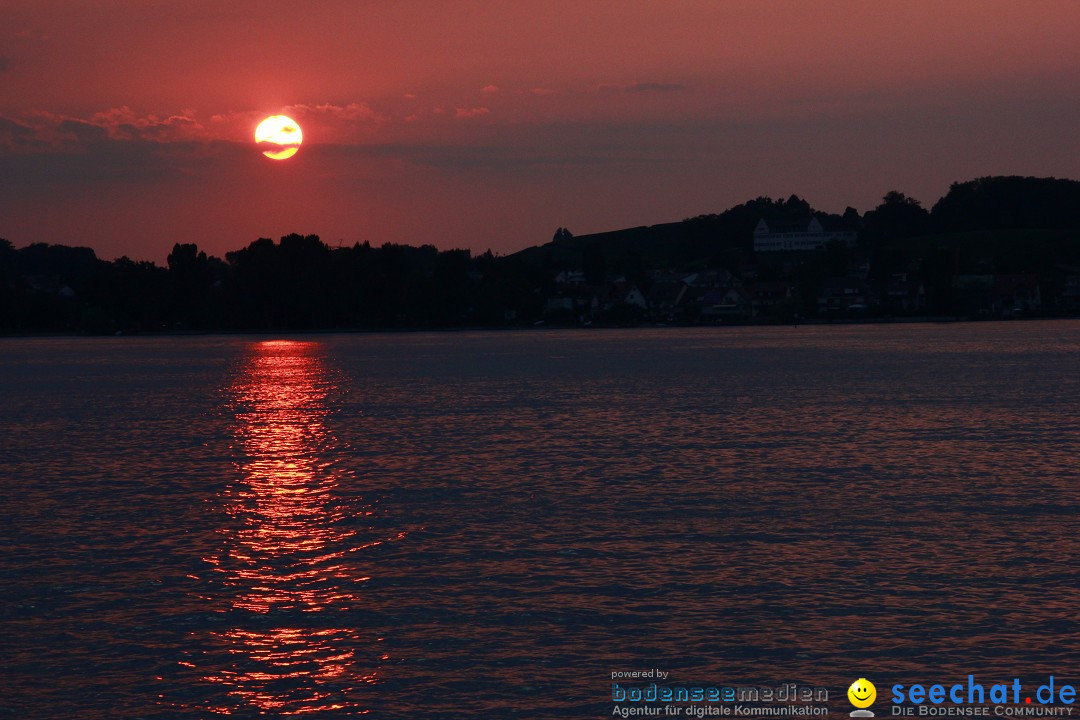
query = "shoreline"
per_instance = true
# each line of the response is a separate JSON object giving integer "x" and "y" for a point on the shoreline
{"x": 543, "y": 326}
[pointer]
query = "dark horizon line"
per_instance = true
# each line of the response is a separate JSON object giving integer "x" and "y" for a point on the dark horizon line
{"x": 340, "y": 244}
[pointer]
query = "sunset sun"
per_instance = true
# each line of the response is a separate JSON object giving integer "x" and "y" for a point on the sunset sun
{"x": 280, "y": 136}
{"x": 643, "y": 338}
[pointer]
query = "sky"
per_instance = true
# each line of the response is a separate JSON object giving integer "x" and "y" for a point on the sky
{"x": 127, "y": 125}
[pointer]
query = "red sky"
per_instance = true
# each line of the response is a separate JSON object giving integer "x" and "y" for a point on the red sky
{"x": 126, "y": 125}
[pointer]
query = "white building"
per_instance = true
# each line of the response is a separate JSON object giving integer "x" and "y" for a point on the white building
{"x": 776, "y": 235}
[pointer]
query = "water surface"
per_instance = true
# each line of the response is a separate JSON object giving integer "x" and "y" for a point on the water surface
{"x": 488, "y": 524}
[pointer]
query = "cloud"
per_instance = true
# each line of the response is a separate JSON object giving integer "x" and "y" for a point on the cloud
{"x": 321, "y": 122}
{"x": 353, "y": 112}
{"x": 81, "y": 131}
{"x": 39, "y": 131}
{"x": 124, "y": 124}
{"x": 489, "y": 89}
{"x": 643, "y": 87}
{"x": 475, "y": 112}
{"x": 542, "y": 91}
{"x": 16, "y": 136}
{"x": 50, "y": 151}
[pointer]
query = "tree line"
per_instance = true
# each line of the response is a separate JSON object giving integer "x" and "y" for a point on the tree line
{"x": 1008, "y": 225}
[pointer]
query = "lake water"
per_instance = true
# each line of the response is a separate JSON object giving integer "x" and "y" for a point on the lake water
{"x": 487, "y": 525}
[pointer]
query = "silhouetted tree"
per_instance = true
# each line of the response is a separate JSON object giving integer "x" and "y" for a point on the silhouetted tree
{"x": 562, "y": 235}
{"x": 898, "y": 216}
{"x": 190, "y": 279}
{"x": 994, "y": 203}
{"x": 1003, "y": 225}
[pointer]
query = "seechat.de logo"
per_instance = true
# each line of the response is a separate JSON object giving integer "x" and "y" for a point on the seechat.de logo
{"x": 862, "y": 694}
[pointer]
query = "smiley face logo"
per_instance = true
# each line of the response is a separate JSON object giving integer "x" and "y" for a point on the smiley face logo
{"x": 862, "y": 693}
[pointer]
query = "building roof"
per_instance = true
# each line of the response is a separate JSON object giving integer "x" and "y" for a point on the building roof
{"x": 787, "y": 226}
{"x": 831, "y": 224}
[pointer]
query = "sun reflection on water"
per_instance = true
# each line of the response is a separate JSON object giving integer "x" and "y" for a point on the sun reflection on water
{"x": 287, "y": 566}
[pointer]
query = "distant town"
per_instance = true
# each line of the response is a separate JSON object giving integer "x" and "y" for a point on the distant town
{"x": 995, "y": 247}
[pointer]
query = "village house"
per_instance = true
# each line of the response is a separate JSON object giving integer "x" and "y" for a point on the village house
{"x": 627, "y": 293}
{"x": 842, "y": 294}
{"x": 997, "y": 294}
{"x": 666, "y": 295}
{"x": 1017, "y": 293}
{"x": 570, "y": 277}
{"x": 764, "y": 295}
{"x": 811, "y": 234}
{"x": 901, "y": 292}
{"x": 724, "y": 302}
{"x": 583, "y": 300}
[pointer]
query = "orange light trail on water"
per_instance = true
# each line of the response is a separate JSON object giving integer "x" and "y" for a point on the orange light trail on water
{"x": 287, "y": 548}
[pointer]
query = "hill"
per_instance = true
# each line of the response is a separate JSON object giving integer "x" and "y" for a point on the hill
{"x": 991, "y": 247}
{"x": 716, "y": 240}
